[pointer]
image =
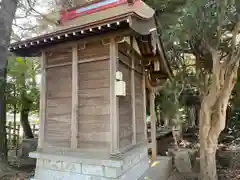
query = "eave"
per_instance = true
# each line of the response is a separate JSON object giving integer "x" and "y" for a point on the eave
{"x": 31, "y": 47}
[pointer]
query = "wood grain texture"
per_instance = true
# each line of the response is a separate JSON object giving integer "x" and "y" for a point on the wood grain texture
{"x": 144, "y": 106}
{"x": 114, "y": 115}
{"x": 74, "y": 118}
{"x": 133, "y": 93}
{"x": 94, "y": 110}
{"x": 90, "y": 124}
{"x": 139, "y": 101}
{"x": 59, "y": 106}
{"x": 125, "y": 109}
{"x": 93, "y": 49}
{"x": 62, "y": 56}
{"x": 43, "y": 99}
{"x": 59, "y": 82}
{"x": 94, "y": 93}
{"x": 94, "y": 66}
{"x": 94, "y": 100}
{"x": 94, "y": 146}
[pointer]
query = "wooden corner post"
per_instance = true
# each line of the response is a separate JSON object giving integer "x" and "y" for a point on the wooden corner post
{"x": 74, "y": 125}
{"x": 153, "y": 124}
{"x": 144, "y": 104}
{"x": 43, "y": 98}
{"x": 133, "y": 94}
{"x": 114, "y": 116}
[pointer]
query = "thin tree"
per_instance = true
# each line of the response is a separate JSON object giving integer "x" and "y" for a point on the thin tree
{"x": 7, "y": 14}
{"x": 209, "y": 29}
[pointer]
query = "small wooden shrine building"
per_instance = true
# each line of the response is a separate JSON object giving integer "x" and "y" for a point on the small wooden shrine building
{"x": 96, "y": 66}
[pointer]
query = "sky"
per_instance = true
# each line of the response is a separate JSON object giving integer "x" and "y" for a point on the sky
{"x": 41, "y": 6}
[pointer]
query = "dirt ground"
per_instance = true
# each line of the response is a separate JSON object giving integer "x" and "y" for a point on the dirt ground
{"x": 228, "y": 174}
{"x": 19, "y": 174}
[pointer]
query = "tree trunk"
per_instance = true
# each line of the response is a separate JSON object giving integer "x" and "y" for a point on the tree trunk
{"x": 208, "y": 145}
{"x": 213, "y": 117}
{"x": 192, "y": 117}
{"x": 25, "y": 123}
{"x": 7, "y": 13}
{"x": 3, "y": 138}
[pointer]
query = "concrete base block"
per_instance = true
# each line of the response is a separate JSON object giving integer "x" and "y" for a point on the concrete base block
{"x": 77, "y": 166}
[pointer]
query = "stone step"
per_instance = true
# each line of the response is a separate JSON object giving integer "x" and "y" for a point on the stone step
{"x": 159, "y": 169}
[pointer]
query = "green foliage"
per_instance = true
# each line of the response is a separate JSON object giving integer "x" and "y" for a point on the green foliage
{"x": 168, "y": 100}
{"x": 194, "y": 27}
{"x": 22, "y": 88}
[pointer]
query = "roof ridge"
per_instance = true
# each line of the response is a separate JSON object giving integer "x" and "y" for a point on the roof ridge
{"x": 95, "y": 6}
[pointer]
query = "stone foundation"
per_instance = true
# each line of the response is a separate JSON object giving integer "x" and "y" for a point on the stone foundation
{"x": 78, "y": 166}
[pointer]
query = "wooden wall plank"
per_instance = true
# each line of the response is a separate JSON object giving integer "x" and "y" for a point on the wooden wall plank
{"x": 93, "y": 93}
{"x": 94, "y": 66}
{"x": 90, "y": 125}
{"x": 63, "y": 56}
{"x": 93, "y": 146}
{"x": 94, "y": 75}
{"x": 94, "y": 101}
{"x": 125, "y": 108}
{"x": 58, "y": 82}
{"x": 94, "y": 84}
{"x": 98, "y": 110}
{"x": 139, "y": 109}
{"x": 93, "y": 49}
{"x": 144, "y": 106}
{"x": 94, "y": 136}
{"x": 58, "y": 107}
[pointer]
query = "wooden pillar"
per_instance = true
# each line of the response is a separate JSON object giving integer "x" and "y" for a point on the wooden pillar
{"x": 133, "y": 95}
{"x": 192, "y": 116}
{"x": 144, "y": 104}
{"x": 114, "y": 116}
{"x": 153, "y": 124}
{"x": 43, "y": 98}
{"x": 74, "y": 124}
{"x": 166, "y": 122}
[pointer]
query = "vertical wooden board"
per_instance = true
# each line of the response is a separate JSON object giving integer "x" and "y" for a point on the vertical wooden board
{"x": 60, "y": 56}
{"x": 93, "y": 50}
{"x": 59, "y": 82}
{"x": 95, "y": 66}
{"x": 125, "y": 109}
{"x": 140, "y": 121}
{"x": 58, "y": 111}
{"x": 93, "y": 99}
{"x": 93, "y": 146}
{"x": 89, "y": 124}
